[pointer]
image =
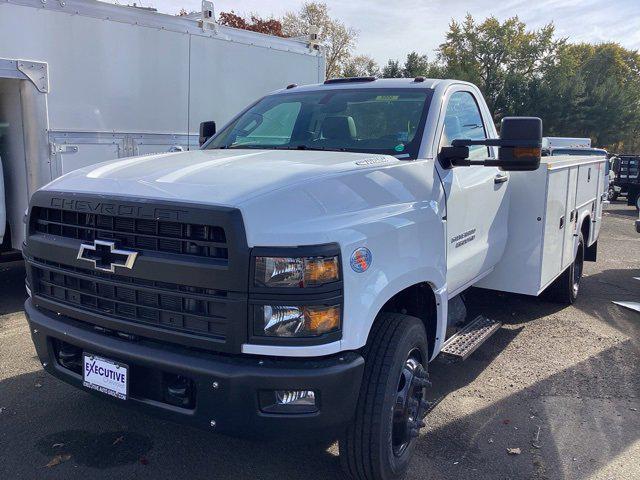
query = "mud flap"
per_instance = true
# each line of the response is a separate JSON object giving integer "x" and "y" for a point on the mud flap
{"x": 3, "y": 210}
{"x": 591, "y": 252}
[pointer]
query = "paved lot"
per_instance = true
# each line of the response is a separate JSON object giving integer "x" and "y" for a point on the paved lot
{"x": 563, "y": 385}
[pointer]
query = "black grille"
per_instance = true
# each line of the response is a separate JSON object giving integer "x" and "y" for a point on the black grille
{"x": 175, "y": 307}
{"x": 629, "y": 170}
{"x": 186, "y": 287}
{"x": 139, "y": 233}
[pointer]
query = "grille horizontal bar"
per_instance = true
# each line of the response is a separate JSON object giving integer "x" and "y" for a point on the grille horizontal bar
{"x": 139, "y": 233}
{"x": 174, "y": 307}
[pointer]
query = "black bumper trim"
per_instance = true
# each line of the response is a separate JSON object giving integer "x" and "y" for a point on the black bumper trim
{"x": 234, "y": 404}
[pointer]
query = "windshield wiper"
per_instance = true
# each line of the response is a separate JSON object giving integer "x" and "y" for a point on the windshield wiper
{"x": 240, "y": 147}
{"x": 307, "y": 147}
{"x": 279, "y": 147}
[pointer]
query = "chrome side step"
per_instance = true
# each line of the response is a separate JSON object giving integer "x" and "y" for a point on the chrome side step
{"x": 466, "y": 341}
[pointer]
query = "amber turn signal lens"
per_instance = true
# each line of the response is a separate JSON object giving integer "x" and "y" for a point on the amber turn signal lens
{"x": 519, "y": 152}
{"x": 322, "y": 319}
{"x": 319, "y": 271}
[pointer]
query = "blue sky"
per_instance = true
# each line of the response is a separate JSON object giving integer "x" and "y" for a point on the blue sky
{"x": 391, "y": 29}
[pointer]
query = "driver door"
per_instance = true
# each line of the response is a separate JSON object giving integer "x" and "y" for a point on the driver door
{"x": 477, "y": 201}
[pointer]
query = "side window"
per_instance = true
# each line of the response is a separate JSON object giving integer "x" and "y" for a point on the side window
{"x": 463, "y": 120}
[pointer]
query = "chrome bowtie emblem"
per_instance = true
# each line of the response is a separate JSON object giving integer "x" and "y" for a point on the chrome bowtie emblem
{"x": 105, "y": 256}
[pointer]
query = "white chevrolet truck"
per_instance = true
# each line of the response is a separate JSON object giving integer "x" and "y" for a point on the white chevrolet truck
{"x": 296, "y": 275}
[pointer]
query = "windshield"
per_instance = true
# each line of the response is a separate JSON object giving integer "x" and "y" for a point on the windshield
{"x": 388, "y": 121}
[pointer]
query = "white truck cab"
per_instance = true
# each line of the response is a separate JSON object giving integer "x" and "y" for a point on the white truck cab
{"x": 295, "y": 273}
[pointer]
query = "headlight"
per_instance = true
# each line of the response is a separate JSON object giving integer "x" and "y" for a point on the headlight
{"x": 298, "y": 321}
{"x": 296, "y": 272}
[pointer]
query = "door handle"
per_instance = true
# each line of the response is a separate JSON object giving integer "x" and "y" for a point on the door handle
{"x": 500, "y": 179}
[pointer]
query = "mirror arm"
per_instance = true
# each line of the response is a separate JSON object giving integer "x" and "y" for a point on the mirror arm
{"x": 464, "y": 162}
{"x": 495, "y": 142}
{"x": 487, "y": 142}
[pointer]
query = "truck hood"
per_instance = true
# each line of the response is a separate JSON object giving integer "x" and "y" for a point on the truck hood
{"x": 217, "y": 177}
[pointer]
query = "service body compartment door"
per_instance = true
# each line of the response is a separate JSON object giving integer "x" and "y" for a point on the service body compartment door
{"x": 602, "y": 185}
{"x": 555, "y": 224}
{"x": 571, "y": 219}
{"x": 587, "y": 186}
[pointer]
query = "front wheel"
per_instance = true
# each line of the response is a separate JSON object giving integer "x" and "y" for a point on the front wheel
{"x": 612, "y": 195}
{"x": 379, "y": 443}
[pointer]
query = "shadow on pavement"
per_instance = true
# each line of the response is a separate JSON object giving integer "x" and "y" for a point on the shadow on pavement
{"x": 44, "y": 417}
{"x": 12, "y": 291}
{"x": 581, "y": 429}
{"x": 601, "y": 289}
{"x": 621, "y": 209}
{"x": 55, "y": 419}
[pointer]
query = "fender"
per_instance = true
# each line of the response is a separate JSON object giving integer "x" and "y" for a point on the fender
{"x": 584, "y": 215}
{"x": 395, "y": 210}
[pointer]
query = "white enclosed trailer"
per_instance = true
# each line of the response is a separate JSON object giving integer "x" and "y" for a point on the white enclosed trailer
{"x": 82, "y": 82}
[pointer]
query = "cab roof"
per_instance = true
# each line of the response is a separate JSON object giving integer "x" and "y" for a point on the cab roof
{"x": 371, "y": 82}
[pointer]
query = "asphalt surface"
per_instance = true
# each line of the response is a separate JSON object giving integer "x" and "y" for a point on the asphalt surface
{"x": 562, "y": 385}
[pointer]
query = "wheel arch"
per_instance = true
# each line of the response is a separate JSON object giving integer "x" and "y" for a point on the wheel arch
{"x": 585, "y": 228}
{"x": 424, "y": 301}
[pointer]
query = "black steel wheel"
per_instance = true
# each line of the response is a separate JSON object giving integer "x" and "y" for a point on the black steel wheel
{"x": 409, "y": 408}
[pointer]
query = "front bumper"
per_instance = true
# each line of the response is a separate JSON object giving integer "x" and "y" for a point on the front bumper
{"x": 233, "y": 405}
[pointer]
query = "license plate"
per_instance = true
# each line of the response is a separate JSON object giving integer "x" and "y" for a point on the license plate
{"x": 106, "y": 376}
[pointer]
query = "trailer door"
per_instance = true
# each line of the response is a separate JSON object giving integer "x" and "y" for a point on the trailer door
{"x": 73, "y": 150}
{"x": 147, "y": 144}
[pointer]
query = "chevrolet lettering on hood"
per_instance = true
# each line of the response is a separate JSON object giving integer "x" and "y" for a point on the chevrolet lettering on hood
{"x": 121, "y": 210}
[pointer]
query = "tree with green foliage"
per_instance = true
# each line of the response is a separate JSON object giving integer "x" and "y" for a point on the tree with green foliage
{"x": 392, "y": 69}
{"x": 501, "y": 58}
{"x": 611, "y": 104}
{"x": 415, "y": 65}
{"x": 581, "y": 90}
{"x": 361, "y": 66}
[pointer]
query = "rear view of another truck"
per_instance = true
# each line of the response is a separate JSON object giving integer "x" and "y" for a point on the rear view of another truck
{"x": 628, "y": 178}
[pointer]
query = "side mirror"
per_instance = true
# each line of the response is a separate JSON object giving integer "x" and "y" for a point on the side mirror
{"x": 207, "y": 130}
{"x": 519, "y": 146}
{"x": 521, "y": 139}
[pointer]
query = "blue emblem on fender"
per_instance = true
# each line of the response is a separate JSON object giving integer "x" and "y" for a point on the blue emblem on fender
{"x": 361, "y": 259}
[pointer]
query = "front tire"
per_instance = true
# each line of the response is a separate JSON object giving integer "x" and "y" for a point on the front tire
{"x": 379, "y": 443}
{"x": 612, "y": 195}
